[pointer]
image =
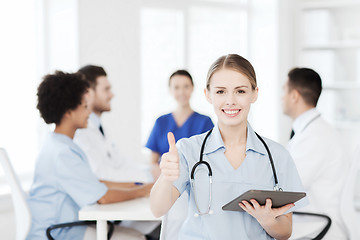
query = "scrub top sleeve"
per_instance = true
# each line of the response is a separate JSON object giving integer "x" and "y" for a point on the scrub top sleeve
{"x": 77, "y": 180}
{"x": 289, "y": 179}
{"x": 183, "y": 181}
{"x": 152, "y": 142}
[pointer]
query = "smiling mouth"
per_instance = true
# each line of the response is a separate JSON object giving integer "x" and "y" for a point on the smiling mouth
{"x": 231, "y": 112}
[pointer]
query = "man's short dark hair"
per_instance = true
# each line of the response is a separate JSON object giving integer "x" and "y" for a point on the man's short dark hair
{"x": 307, "y": 82}
{"x": 91, "y": 73}
{"x": 59, "y": 93}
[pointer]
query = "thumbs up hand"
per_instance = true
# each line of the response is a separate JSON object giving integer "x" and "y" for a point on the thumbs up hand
{"x": 169, "y": 164}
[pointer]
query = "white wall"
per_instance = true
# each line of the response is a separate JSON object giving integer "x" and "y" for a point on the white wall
{"x": 263, "y": 49}
{"x": 110, "y": 38}
{"x": 285, "y": 57}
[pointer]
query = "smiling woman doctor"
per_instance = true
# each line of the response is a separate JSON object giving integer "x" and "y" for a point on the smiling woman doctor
{"x": 238, "y": 161}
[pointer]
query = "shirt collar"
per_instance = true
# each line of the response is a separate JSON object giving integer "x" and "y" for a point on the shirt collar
{"x": 301, "y": 121}
{"x": 95, "y": 119}
{"x": 62, "y": 137}
{"x": 253, "y": 142}
{"x": 66, "y": 139}
{"x": 215, "y": 141}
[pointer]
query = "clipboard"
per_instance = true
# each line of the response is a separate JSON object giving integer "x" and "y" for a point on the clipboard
{"x": 278, "y": 198}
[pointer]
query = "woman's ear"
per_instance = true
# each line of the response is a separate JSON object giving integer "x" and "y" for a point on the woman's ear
{"x": 255, "y": 95}
{"x": 68, "y": 114}
{"x": 207, "y": 95}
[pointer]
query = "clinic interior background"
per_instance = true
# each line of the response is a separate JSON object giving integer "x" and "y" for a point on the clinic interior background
{"x": 140, "y": 43}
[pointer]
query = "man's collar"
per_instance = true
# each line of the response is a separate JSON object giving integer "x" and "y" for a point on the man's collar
{"x": 302, "y": 120}
{"x": 95, "y": 119}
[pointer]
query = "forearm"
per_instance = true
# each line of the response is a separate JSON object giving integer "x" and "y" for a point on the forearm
{"x": 279, "y": 228}
{"x": 155, "y": 168}
{"x": 116, "y": 195}
{"x": 155, "y": 171}
{"x": 162, "y": 197}
{"x": 155, "y": 156}
{"x": 119, "y": 185}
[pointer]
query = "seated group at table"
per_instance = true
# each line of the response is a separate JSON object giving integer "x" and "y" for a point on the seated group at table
{"x": 64, "y": 182}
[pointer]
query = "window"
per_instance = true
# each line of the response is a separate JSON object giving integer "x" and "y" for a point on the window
{"x": 190, "y": 35}
{"x": 19, "y": 78}
{"x": 30, "y": 49}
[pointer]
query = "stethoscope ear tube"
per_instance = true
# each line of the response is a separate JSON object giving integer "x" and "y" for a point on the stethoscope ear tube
{"x": 201, "y": 158}
{"x": 199, "y": 163}
{"x": 276, "y": 186}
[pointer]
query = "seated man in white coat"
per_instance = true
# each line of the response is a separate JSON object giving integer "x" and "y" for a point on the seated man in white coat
{"x": 316, "y": 148}
{"x": 106, "y": 161}
{"x": 104, "y": 157}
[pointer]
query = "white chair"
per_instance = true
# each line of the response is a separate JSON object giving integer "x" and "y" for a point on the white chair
{"x": 310, "y": 226}
{"x": 350, "y": 217}
{"x": 21, "y": 209}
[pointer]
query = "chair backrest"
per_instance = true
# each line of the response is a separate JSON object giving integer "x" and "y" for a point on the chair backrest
{"x": 349, "y": 214}
{"x": 21, "y": 208}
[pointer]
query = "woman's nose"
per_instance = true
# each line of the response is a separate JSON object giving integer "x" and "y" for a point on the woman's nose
{"x": 230, "y": 99}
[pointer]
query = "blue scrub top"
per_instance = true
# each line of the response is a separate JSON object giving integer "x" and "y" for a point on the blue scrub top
{"x": 195, "y": 124}
{"x": 254, "y": 173}
{"x": 63, "y": 183}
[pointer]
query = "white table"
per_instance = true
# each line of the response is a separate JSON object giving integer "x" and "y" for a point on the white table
{"x": 134, "y": 210}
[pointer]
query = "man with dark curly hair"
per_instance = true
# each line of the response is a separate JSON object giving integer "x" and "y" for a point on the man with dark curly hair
{"x": 63, "y": 180}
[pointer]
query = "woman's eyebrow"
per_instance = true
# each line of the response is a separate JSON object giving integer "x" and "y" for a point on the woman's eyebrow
{"x": 242, "y": 86}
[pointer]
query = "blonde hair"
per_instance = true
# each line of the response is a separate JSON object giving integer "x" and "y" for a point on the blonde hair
{"x": 233, "y": 62}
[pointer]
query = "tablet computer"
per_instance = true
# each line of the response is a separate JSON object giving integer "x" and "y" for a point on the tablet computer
{"x": 278, "y": 198}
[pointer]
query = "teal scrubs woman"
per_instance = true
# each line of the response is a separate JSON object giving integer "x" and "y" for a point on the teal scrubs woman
{"x": 254, "y": 173}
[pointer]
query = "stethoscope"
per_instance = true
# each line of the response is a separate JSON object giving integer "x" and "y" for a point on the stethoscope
{"x": 201, "y": 161}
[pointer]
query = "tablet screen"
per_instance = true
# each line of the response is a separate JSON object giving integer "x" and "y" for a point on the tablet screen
{"x": 278, "y": 198}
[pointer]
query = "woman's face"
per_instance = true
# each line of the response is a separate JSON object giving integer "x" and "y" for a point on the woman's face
{"x": 81, "y": 114}
{"x": 181, "y": 88}
{"x": 231, "y": 95}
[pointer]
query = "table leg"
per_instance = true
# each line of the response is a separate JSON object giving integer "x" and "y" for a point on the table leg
{"x": 101, "y": 230}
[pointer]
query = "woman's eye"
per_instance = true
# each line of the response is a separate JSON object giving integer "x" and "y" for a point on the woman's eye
{"x": 220, "y": 92}
{"x": 241, "y": 91}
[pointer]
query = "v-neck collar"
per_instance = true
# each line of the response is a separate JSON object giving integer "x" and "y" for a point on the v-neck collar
{"x": 252, "y": 142}
{"x": 178, "y": 127}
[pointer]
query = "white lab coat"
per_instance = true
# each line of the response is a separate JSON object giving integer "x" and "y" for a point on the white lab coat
{"x": 322, "y": 165}
{"x": 104, "y": 157}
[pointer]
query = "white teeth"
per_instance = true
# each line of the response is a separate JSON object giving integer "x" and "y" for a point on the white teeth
{"x": 231, "y": 112}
